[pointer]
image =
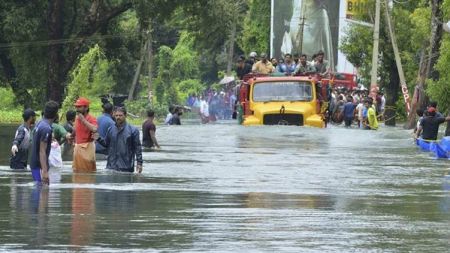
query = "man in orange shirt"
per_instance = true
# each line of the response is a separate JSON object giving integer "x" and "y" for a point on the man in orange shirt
{"x": 85, "y": 128}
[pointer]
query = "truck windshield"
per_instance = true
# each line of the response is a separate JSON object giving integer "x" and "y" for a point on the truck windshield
{"x": 282, "y": 91}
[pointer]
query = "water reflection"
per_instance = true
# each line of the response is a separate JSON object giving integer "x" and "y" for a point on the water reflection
{"x": 83, "y": 210}
{"x": 279, "y": 201}
{"x": 39, "y": 214}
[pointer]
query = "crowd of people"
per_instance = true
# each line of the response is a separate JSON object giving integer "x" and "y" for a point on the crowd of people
{"x": 83, "y": 136}
{"x": 289, "y": 65}
{"x": 212, "y": 105}
{"x": 356, "y": 107}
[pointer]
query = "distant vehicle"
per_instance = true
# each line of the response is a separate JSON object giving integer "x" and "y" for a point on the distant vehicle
{"x": 283, "y": 100}
{"x": 346, "y": 81}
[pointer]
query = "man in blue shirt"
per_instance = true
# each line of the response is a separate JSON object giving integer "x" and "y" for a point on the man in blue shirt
{"x": 104, "y": 121}
{"x": 288, "y": 66}
{"x": 42, "y": 140}
{"x": 349, "y": 111}
{"x": 123, "y": 144}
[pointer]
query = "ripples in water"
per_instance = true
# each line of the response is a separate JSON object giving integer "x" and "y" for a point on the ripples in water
{"x": 229, "y": 188}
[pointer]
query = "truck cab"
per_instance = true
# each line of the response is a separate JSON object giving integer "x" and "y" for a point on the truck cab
{"x": 283, "y": 100}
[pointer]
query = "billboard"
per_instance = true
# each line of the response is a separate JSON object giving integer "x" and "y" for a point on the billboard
{"x": 305, "y": 27}
{"x": 356, "y": 8}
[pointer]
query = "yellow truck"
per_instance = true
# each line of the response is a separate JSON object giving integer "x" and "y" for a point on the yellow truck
{"x": 283, "y": 100}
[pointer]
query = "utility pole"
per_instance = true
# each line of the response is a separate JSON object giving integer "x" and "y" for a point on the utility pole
{"x": 302, "y": 28}
{"x": 376, "y": 40}
{"x": 398, "y": 61}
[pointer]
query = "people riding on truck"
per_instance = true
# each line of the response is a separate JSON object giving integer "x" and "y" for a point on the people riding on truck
{"x": 263, "y": 66}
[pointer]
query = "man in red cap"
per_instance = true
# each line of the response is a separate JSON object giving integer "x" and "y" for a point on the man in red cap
{"x": 429, "y": 125}
{"x": 85, "y": 128}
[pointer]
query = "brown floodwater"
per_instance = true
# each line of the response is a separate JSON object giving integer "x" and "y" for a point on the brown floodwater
{"x": 229, "y": 188}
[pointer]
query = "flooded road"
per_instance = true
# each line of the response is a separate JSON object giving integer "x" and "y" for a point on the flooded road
{"x": 229, "y": 188}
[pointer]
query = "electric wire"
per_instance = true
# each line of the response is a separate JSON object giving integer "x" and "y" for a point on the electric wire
{"x": 62, "y": 41}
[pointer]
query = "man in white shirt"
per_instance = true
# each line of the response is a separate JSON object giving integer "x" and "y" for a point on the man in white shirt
{"x": 204, "y": 110}
{"x": 169, "y": 115}
{"x": 359, "y": 109}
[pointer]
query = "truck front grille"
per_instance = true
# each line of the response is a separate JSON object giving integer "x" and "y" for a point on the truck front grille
{"x": 283, "y": 119}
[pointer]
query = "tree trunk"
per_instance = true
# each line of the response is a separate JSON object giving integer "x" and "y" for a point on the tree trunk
{"x": 55, "y": 50}
{"x": 436, "y": 38}
{"x": 150, "y": 67}
{"x": 97, "y": 17}
{"x": 418, "y": 99}
{"x": 21, "y": 93}
{"x": 137, "y": 73}
{"x": 426, "y": 69}
{"x": 231, "y": 49}
{"x": 94, "y": 20}
{"x": 392, "y": 90}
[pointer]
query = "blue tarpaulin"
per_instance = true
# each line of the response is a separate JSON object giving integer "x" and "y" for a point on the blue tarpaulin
{"x": 441, "y": 149}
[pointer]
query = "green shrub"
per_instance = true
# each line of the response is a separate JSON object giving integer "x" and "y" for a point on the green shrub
{"x": 11, "y": 116}
{"x": 137, "y": 109}
{"x": 439, "y": 90}
{"x": 190, "y": 86}
{"x": 7, "y": 99}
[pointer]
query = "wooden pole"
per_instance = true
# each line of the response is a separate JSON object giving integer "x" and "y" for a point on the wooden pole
{"x": 376, "y": 40}
{"x": 398, "y": 60}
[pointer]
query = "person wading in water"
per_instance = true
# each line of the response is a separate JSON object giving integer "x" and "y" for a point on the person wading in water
{"x": 85, "y": 128}
{"x": 42, "y": 139}
{"x": 22, "y": 140}
{"x": 148, "y": 131}
{"x": 123, "y": 144}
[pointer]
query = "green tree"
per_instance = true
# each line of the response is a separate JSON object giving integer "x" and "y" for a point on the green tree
{"x": 90, "y": 78}
{"x": 163, "y": 82}
{"x": 19, "y": 26}
{"x": 211, "y": 24}
{"x": 185, "y": 64}
{"x": 54, "y": 41}
{"x": 177, "y": 70}
{"x": 439, "y": 90}
{"x": 189, "y": 87}
{"x": 357, "y": 46}
{"x": 256, "y": 30}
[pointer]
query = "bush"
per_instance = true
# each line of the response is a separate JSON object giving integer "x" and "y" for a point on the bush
{"x": 140, "y": 107}
{"x": 11, "y": 112}
{"x": 188, "y": 87}
{"x": 11, "y": 116}
{"x": 7, "y": 99}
